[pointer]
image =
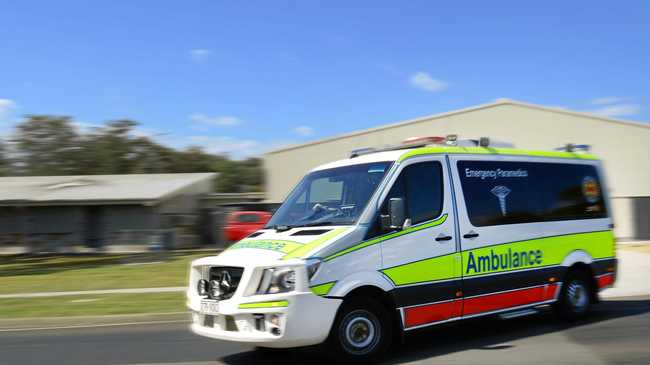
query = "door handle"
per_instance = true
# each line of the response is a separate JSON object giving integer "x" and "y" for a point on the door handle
{"x": 470, "y": 234}
{"x": 442, "y": 237}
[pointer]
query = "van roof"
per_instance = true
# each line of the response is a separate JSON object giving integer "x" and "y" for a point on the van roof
{"x": 403, "y": 154}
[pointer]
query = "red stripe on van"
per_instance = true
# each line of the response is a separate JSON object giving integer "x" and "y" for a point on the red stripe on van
{"x": 510, "y": 299}
{"x": 551, "y": 291}
{"x": 605, "y": 280}
{"x": 436, "y": 312}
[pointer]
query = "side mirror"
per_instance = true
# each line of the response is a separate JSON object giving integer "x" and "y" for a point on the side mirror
{"x": 396, "y": 215}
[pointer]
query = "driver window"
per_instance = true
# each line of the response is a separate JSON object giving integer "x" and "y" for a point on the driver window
{"x": 421, "y": 187}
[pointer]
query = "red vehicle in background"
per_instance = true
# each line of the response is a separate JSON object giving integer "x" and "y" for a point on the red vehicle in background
{"x": 241, "y": 224}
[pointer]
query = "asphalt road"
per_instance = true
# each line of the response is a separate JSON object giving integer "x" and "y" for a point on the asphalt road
{"x": 618, "y": 332}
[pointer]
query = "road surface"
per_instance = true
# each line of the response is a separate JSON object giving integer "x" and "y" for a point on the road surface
{"x": 618, "y": 332}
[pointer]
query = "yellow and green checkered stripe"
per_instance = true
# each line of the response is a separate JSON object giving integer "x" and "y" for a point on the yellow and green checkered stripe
{"x": 554, "y": 249}
{"x": 283, "y": 246}
{"x": 271, "y": 304}
{"x": 387, "y": 237}
{"x": 292, "y": 249}
{"x": 322, "y": 289}
{"x": 494, "y": 151}
{"x": 302, "y": 250}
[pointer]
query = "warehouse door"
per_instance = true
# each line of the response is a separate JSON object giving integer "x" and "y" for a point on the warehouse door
{"x": 92, "y": 223}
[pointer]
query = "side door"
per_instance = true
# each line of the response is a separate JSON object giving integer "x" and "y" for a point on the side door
{"x": 505, "y": 259}
{"x": 421, "y": 259}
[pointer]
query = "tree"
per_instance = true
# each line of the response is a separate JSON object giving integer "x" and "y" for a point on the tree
{"x": 47, "y": 145}
{"x": 51, "y": 145}
{"x": 5, "y": 163}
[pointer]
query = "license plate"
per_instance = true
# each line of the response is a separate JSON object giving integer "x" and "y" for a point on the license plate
{"x": 209, "y": 307}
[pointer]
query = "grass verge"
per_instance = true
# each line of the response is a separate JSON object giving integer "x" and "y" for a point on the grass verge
{"x": 29, "y": 274}
{"x": 89, "y": 305}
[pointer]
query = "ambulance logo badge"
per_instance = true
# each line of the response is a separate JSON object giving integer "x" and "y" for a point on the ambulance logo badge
{"x": 501, "y": 192}
{"x": 590, "y": 190}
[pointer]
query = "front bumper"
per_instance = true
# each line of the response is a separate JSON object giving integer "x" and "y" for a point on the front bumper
{"x": 279, "y": 320}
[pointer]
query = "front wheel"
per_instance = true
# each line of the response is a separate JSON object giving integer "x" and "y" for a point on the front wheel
{"x": 362, "y": 331}
{"x": 575, "y": 297}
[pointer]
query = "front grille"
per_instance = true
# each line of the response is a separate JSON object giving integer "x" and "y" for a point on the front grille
{"x": 224, "y": 281}
{"x": 208, "y": 321}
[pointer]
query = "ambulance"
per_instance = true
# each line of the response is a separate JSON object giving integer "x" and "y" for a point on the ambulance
{"x": 391, "y": 240}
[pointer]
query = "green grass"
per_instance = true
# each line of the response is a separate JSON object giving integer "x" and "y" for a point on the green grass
{"x": 88, "y": 305}
{"x": 24, "y": 274}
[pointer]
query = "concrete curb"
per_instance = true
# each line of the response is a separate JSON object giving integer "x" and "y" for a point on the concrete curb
{"x": 632, "y": 276}
{"x": 633, "y": 243}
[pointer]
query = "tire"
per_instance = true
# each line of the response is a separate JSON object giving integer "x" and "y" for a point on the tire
{"x": 362, "y": 332}
{"x": 576, "y": 296}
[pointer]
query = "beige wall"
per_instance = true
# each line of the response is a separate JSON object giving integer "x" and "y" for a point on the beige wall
{"x": 632, "y": 217}
{"x": 623, "y": 147}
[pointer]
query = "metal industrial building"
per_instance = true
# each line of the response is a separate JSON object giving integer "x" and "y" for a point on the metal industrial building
{"x": 50, "y": 213}
{"x": 624, "y": 147}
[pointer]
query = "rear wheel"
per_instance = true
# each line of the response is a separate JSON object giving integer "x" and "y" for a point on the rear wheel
{"x": 362, "y": 331}
{"x": 575, "y": 297}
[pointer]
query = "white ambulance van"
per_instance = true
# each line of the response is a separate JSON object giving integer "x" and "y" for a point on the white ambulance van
{"x": 393, "y": 240}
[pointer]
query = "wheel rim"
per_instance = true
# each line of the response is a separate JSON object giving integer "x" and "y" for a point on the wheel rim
{"x": 578, "y": 296}
{"x": 360, "y": 332}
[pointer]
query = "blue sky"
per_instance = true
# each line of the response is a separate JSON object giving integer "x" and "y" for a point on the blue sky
{"x": 243, "y": 77}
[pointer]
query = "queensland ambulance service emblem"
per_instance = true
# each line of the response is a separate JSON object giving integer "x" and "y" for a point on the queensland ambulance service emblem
{"x": 501, "y": 192}
{"x": 590, "y": 190}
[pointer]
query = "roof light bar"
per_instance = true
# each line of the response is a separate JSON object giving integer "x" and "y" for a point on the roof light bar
{"x": 423, "y": 141}
{"x": 448, "y": 140}
{"x": 361, "y": 151}
{"x": 571, "y": 147}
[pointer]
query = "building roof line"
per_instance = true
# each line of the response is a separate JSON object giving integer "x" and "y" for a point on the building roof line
{"x": 498, "y": 102}
{"x": 174, "y": 192}
{"x": 105, "y": 188}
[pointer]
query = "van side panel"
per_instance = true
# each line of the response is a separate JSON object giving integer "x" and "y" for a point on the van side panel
{"x": 511, "y": 259}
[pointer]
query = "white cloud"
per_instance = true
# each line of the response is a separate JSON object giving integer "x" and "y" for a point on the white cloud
{"x": 424, "y": 81}
{"x": 150, "y": 133}
{"x": 607, "y": 100}
{"x": 6, "y": 107}
{"x": 235, "y": 147}
{"x": 304, "y": 131}
{"x": 201, "y": 121}
{"x": 200, "y": 55}
{"x": 617, "y": 110}
{"x": 7, "y": 116}
{"x": 83, "y": 127}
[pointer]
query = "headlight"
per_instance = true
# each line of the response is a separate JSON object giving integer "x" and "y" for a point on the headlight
{"x": 215, "y": 289}
{"x": 275, "y": 280}
{"x": 202, "y": 287}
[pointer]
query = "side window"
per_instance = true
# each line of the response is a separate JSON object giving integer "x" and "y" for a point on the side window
{"x": 526, "y": 192}
{"x": 248, "y": 218}
{"x": 423, "y": 191}
{"x": 421, "y": 187}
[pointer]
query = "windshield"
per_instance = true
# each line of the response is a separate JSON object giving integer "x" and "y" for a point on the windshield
{"x": 330, "y": 197}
